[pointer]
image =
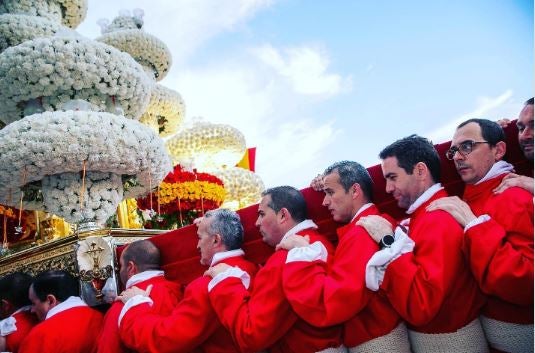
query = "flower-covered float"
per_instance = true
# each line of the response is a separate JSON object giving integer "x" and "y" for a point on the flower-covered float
{"x": 72, "y": 145}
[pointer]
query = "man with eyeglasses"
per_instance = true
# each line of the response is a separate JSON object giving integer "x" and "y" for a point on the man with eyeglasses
{"x": 498, "y": 233}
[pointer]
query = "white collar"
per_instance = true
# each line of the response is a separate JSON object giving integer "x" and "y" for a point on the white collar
{"x": 424, "y": 197}
{"x": 306, "y": 224}
{"x": 143, "y": 276}
{"x": 69, "y": 303}
{"x": 361, "y": 209}
{"x": 218, "y": 257}
{"x": 498, "y": 168}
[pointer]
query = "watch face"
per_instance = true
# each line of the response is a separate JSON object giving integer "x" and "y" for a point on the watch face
{"x": 388, "y": 240}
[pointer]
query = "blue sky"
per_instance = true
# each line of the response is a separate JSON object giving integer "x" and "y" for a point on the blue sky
{"x": 310, "y": 82}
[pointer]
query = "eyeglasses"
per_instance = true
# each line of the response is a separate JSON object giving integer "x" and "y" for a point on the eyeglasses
{"x": 464, "y": 148}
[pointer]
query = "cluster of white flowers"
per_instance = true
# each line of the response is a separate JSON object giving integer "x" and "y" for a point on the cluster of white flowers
{"x": 165, "y": 112}
{"x": 15, "y": 29}
{"x": 58, "y": 69}
{"x": 208, "y": 145}
{"x": 241, "y": 185}
{"x": 123, "y": 21}
{"x": 68, "y": 12}
{"x": 59, "y": 142}
{"x": 102, "y": 192}
{"x": 145, "y": 48}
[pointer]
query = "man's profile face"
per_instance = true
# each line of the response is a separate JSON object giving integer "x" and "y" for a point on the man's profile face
{"x": 268, "y": 222}
{"x": 399, "y": 183}
{"x": 39, "y": 308}
{"x": 205, "y": 245}
{"x": 525, "y": 131}
{"x": 337, "y": 199}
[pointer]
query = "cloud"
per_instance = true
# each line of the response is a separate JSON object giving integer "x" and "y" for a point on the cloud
{"x": 183, "y": 25}
{"x": 305, "y": 68}
{"x": 486, "y": 107}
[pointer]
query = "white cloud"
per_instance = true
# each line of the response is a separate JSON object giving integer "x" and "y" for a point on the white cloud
{"x": 184, "y": 25}
{"x": 486, "y": 107}
{"x": 305, "y": 68}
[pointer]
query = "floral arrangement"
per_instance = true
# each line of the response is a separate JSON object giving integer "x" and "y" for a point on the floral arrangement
{"x": 123, "y": 21}
{"x": 180, "y": 198}
{"x": 15, "y": 29}
{"x": 40, "y": 147}
{"x": 7, "y": 211}
{"x": 99, "y": 192}
{"x": 52, "y": 71}
{"x": 68, "y": 12}
{"x": 145, "y": 48}
{"x": 165, "y": 112}
{"x": 207, "y": 145}
{"x": 244, "y": 188}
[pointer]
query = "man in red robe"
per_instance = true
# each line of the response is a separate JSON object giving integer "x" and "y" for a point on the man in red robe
{"x": 139, "y": 266}
{"x": 430, "y": 285}
{"x": 262, "y": 318}
{"x": 17, "y": 320}
{"x": 498, "y": 232}
{"x": 193, "y": 324}
{"x": 68, "y": 324}
{"x": 325, "y": 297}
{"x": 525, "y": 141}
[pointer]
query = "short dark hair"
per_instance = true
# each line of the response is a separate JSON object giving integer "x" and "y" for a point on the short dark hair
{"x": 529, "y": 101}
{"x": 290, "y": 198}
{"x": 350, "y": 173}
{"x": 59, "y": 283}
{"x": 14, "y": 288}
{"x": 144, "y": 254}
{"x": 228, "y": 225}
{"x": 411, "y": 150}
{"x": 491, "y": 131}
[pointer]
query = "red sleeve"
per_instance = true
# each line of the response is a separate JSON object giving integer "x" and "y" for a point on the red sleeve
{"x": 261, "y": 319}
{"x": 501, "y": 250}
{"x": 109, "y": 340}
{"x": 36, "y": 342}
{"x": 324, "y": 298}
{"x": 416, "y": 283}
{"x": 25, "y": 322}
{"x": 191, "y": 323}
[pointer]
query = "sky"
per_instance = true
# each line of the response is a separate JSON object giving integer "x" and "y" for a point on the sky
{"x": 312, "y": 82}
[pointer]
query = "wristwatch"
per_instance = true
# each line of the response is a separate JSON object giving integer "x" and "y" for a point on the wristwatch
{"x": 386, "y": 241}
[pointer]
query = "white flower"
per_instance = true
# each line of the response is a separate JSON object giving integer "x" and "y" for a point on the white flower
{"x": 165, "y": 112}
{"x": 241, "y": 185}
{"x": 30, "y": 71}
{"x": 68, "y": 12}
{"x": 208, "y": 145}
{"x": 15, "y": 29}
{"x": 58, "y": 143}
{"x": 145, "y": 48}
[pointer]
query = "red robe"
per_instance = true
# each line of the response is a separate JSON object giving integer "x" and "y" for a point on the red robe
{"x": 432, "y": 287}
{"x": 501, "y": 250}
{"x": 192, "y": 325}
{"x": 325, "y": 297}
{"x": 74, "y": 330}
{"x": 165, "y": 295}
{"x": 264, "y": 318}
{"x": 25, "y": 322}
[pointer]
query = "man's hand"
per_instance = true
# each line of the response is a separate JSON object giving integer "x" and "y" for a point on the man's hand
{"x": 293, "y": 241}
{"x": 217, "y": 269}
{"x": 376, "y": 226}
{"x": 513, "y": 179}
{"x": 132, "y": 292}
{"x": 317, "y": 183}
{"x": 454, "y": 206}
{"x": 503, "y": 122}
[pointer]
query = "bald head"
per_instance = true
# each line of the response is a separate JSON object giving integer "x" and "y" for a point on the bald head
{"x": 144, "y": 254}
